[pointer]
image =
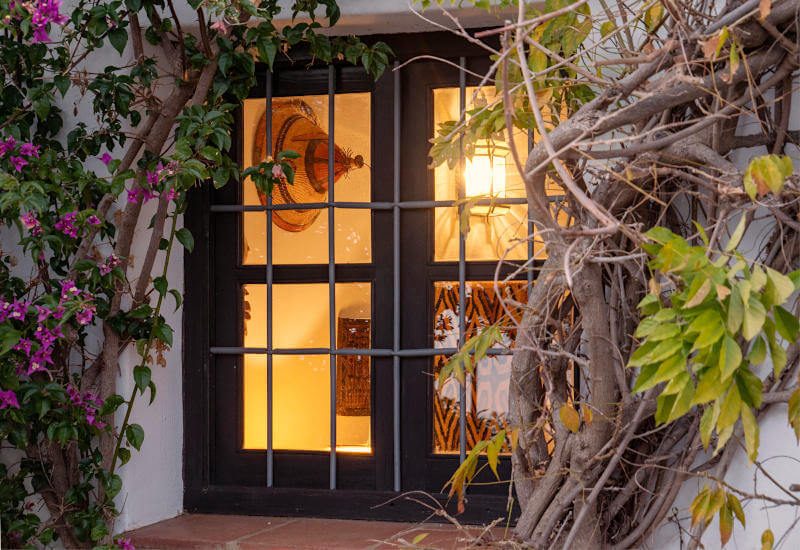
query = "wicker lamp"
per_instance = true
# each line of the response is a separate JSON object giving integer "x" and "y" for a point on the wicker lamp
{"x": 353, "y": 395}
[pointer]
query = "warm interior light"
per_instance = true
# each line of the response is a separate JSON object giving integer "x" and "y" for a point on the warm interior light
{"x": 485, "y": 176}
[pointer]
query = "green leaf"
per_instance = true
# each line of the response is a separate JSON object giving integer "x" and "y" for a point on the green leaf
{"x": 141, "y": 376}
{"x": 736, "y": 508}
{"x": 735, "y": 310}
{"x": 697, "y": 295}
{"x": 737, "y": 234}
{"x": 135, "y": 435}
{"x": 178, "y": 298}
{"x": 750, "y": 425}
{"x": 729, "y": 410}
{"x": 750, "y": 387}
{"x": 754, "y": 317}
{"x": 118, "y": 38}
{"x": 707, "y": 422}
{"x": 419, "y": 538}
{"x": 778, "y": 288}
{"x": 607, "y": 28}
{"x": 8, "y": 338}
{"x": 787, "y": 324}
{"x": 794, "y": 413}
{"x": 758, "y": 351}
{"x": 160, "y": 284}
{"x": 667, "y": 370}
{"x": 185, "y": 238}
{"x": 654, "y": 354}
{"x": 163, "y": 332}
{"x": 730, "y": 357}
{"x": 709, "y": 387}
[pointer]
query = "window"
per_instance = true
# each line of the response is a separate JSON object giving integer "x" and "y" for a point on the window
{"x": 334, "y": 302}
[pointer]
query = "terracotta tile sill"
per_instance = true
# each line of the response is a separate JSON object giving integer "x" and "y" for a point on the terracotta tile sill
{"x": 223, "y": 532}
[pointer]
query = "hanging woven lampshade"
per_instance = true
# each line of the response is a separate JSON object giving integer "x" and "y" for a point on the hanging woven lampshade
{"x": 352, "y": 371}
{"x": 295, "y": 127}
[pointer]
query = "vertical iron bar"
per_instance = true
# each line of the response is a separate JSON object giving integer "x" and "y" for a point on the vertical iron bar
{"x": 269, "y": 151}
{"x": 332, "y": 267}
{"x": 462, "y": 264}
{"x": 531, "y": 250}
{"x": 396, "y": 283}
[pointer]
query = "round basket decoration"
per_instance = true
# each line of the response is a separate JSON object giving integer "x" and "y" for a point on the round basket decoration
{"x": 295, "y": 127}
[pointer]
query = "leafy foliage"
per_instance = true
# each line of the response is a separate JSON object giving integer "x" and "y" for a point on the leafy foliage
{"x": 706, "y": 340}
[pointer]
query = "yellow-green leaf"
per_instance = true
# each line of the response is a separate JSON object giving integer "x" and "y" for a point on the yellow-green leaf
{"x": 778, "y": 288}
{"x": 737, "y": 234}
{"x": 758, "y": 351}
{"x": 736, "y": 508}
{"x": 725, "y": 524}
{"x": 419, "y": 538}
{"x": 754, "y": 316}
{"x": 607, "y": 28}
{"x": 750, "y": 425}
{"x": 767, "y": 540}
{"x": 794, "y": 413}
{"x": 709, "y": 387}
{"x": 699, "y": 295}
{"x": 735, "y": 310}
{"x": 730, "y": 357}
{"x": 729, "y": 410}
{"x": 570, "y": 418}
{"x": 699, "y": 505}
{"x": 734, "y": 59}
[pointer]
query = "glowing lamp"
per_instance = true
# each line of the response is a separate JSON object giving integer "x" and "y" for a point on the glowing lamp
{"x": 485, "y": 177}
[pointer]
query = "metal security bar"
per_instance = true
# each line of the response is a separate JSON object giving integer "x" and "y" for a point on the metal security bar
{"x": 396, "y": 206}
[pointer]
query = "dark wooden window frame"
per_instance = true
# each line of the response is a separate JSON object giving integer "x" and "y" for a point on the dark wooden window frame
{"x": 218, "y": 475}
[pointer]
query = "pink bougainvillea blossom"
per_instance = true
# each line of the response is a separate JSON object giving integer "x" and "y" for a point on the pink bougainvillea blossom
{"x": 85, "y": 315}
{"x": 44, "y": 13}
{"x": 8, "y": 399}
{"x": 7, "y": 145}
{"x": 106, "y": 158}
{"x": 18, "y": 162}
{"x": 68, "y": 289}
{"x": 220, "y": 26}
{"x": 93, "y": 220}
{"x": 66, "y": 224}
{"x": 29, "y": 150}
{"x": 108, "y": 265}
{"x": 30, "y": 221}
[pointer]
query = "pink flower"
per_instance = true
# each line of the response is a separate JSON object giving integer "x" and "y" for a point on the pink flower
{"x": 29, "y": 150}
{"x": 277, "y": 171}
{"x": 8, "y": 399}
{"x": 85, "y": 315}
{"x": 108, "y": 265}
{"x": 133, "y": 195}
{"x": 7, "y": 145}
{"x": 171, "y": 194}
{"x": 68, "y": 289}
{"x": 66, "y": 224}
{"x": 29, "y": 220}
{"x": 93, "y": 220}
{"x": 153, "y": 177}
{"x": 44, "y": 13}
{"x": 125, "y": 544}
{"x": 18, "y": 163}
{"x": 220, "y": 26}
{"x": 106, "y": 158}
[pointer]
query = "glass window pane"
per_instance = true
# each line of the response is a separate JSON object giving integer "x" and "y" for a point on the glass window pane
{"x": 300, "y": 314}
{"x": 487, "y": 386}
{"x": 490, "y": 173}
{"x": 300, "y": 236}
{"x": 301, "y": 383}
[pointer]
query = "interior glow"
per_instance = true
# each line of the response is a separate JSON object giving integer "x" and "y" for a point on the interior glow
{"x": 301, "y": 383}
{"x": 485, "y": 175}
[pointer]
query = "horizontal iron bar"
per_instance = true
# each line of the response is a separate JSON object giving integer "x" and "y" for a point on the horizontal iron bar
{"x": 427, "y": 352}
{"x": 407, "y": 205}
